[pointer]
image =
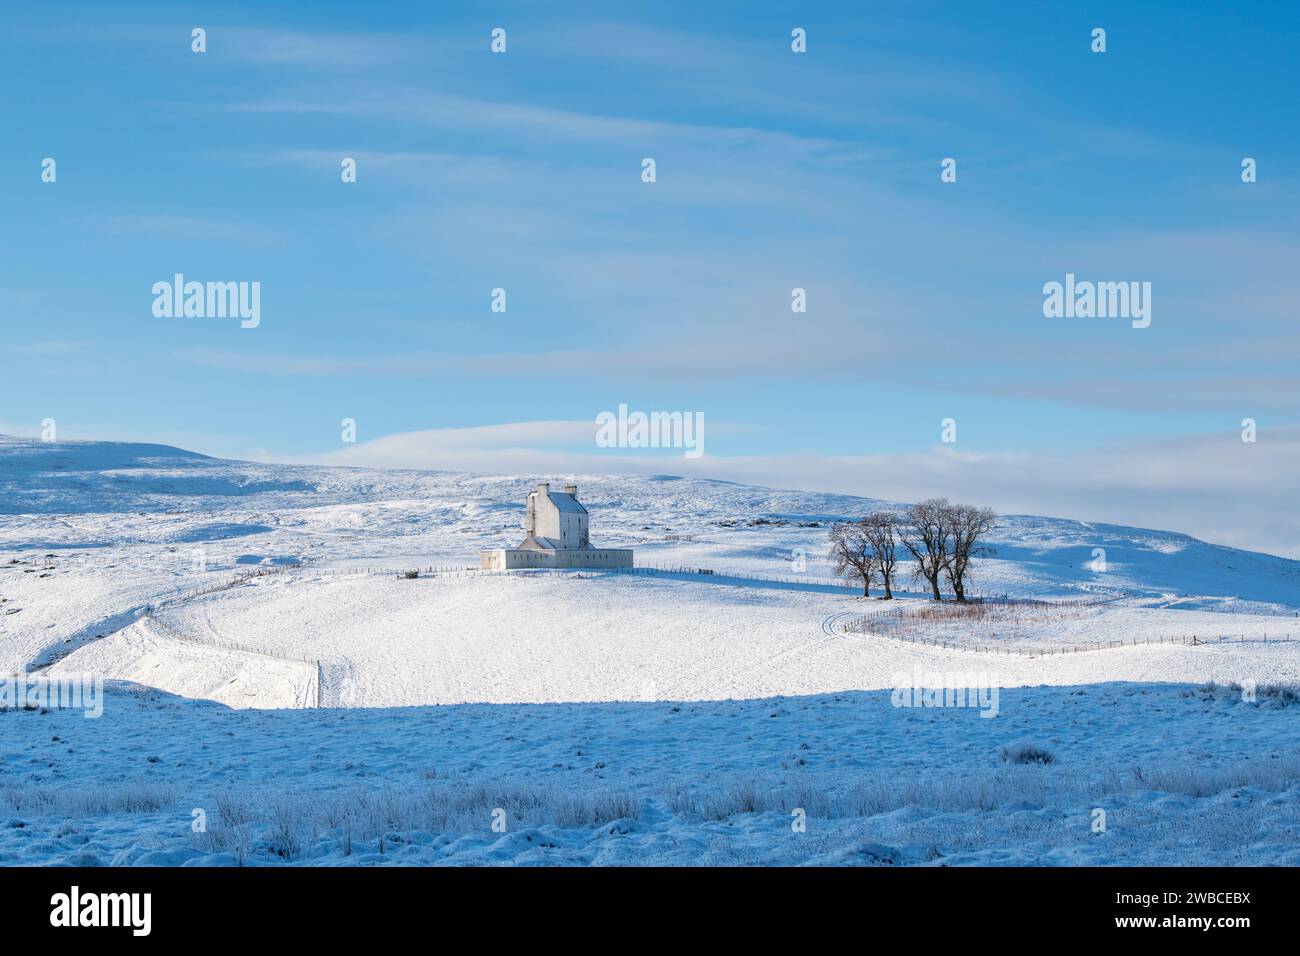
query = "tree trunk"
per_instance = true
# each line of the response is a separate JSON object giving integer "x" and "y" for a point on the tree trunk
{"x": 934, "y": 587}
{"x": 866, "y": 588}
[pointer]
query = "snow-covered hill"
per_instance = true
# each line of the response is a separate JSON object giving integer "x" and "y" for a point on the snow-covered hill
{"x": 670, "y": 718}
{"x": 94, "y": 533}
{"x": 96, "y": 494}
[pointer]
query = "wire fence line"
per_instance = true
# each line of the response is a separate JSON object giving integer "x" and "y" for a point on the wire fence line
{"x": 440, "y": 572}
{"x": 225, "y": 645}
{"x": 889, "y": 622}
{"x": 654, "y": 569}
{"x": 317, "y": 686}
{"x": 431, "y": 571}
{"x": 317, "y": 689}
{"x": 241, "y": 578}
{"x": 244, "y": 577}
{"x": 1089, "y": 600}
{"x": 894, "y": 623}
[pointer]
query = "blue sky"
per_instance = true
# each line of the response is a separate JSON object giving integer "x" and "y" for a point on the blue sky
{"x": 775, "y": 170}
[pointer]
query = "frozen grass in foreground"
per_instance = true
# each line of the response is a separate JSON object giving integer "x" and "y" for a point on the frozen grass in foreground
{"x": 140, "y": 797}
{"x": 1184, "y": 774}
{"x": 289, "y": 824}
{"x": 1035, "y": 781}
{"x": 292, "y": 827}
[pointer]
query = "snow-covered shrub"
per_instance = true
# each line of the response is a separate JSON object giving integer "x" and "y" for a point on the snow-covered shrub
{"x": 1283, "y": 695}
{"x": 1026, "y": 751}
{"x": 681, "y": 801}
{"x": 1275, "y": 694}
{"x": 723, "y": 800}
{"x": 585, "y": 810}
{"x": 232, "y": 808}
{"x": 286, "y": 836}
{"x": 617, "y": 805}
{"x": 232, "y": 829}
{"x": 813, "y": 800}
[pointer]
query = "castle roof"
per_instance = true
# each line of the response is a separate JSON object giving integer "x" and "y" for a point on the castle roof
{"x": 566, "y": 502}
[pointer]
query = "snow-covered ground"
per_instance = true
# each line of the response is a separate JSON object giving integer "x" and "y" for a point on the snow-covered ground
{"x": 1182, "y": 775}
{"x": 615, "y": 718}
{"x": 537, "y": 637}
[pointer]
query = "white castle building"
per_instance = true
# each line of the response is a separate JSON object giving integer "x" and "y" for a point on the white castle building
{"x": 556, "y": 537}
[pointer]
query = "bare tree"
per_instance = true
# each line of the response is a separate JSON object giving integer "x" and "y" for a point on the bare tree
{"x": 927, "y": 535}
{"x": 881, "y": 530}
{"x": 852, "y": 554}
{"x": 968, "y": 524}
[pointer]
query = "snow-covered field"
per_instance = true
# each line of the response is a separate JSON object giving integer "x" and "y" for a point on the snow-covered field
{"x": 332, "y": 711}
{"x": 539, "y": 637}
{"x": 1182, "y": 775}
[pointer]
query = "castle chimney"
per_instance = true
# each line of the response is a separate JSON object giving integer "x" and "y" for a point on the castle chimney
{"x": 571, "y": 490}
{"x": 544, "y": 488}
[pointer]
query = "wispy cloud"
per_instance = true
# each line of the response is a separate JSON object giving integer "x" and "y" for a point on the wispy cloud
{"x": 775, "y": 171}
{"x": 46, "y": 348}
{"x": 531, "y": 119}
{"x": 307, "y": 48}
{"x": 189, "y": 228}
